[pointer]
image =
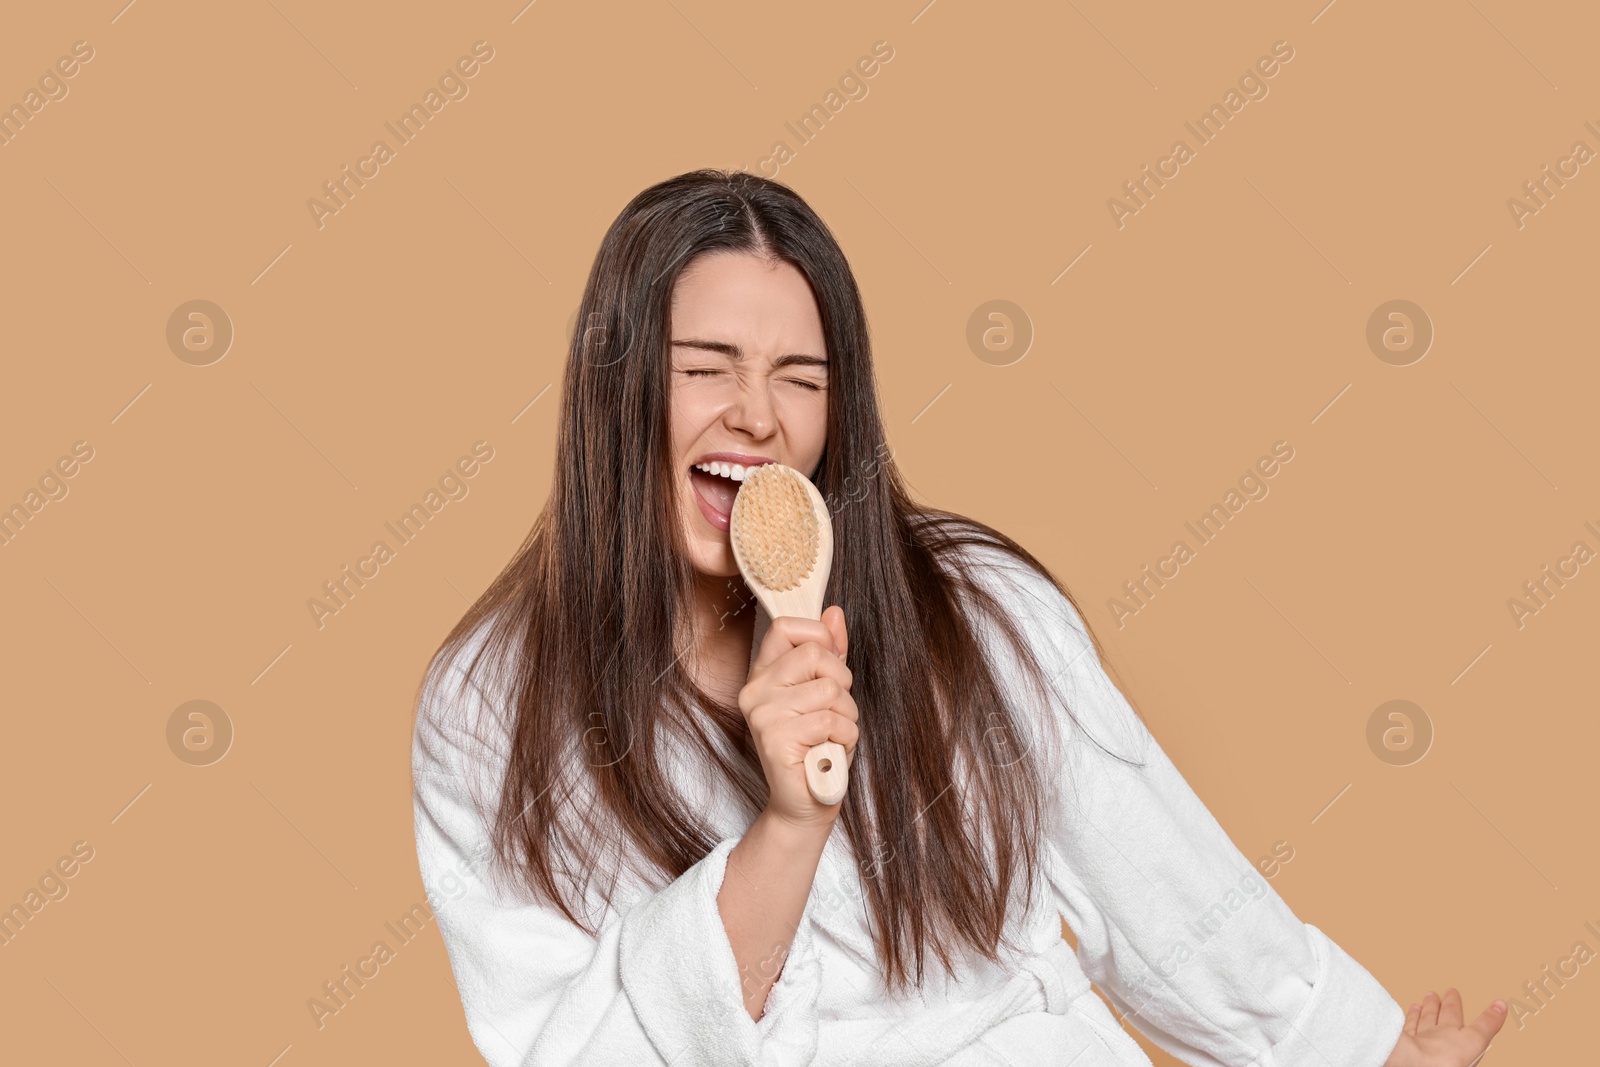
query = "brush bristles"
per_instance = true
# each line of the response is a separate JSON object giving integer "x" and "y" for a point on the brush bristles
{"x": 775, "y": 527}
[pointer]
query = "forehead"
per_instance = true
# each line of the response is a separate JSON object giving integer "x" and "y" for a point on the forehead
{"x": 744, "y": 298}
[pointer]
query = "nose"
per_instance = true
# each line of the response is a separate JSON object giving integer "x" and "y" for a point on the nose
{"x": 752, "y": 411}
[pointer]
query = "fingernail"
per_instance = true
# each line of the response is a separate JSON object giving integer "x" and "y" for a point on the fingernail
{"x": 1499, "y": 1005}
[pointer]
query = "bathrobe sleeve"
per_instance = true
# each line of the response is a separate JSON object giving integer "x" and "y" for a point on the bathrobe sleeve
{"x": 1179, "y": 930}
{"x": 659, "y": 985}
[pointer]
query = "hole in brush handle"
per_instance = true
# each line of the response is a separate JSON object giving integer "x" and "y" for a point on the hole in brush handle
{"x": 827, "y": 772}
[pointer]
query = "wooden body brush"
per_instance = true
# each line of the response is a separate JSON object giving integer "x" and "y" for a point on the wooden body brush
{"x": 782, "y": 539}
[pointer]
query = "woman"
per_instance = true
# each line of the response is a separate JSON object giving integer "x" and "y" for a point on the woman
{"x": 612, "y": 818}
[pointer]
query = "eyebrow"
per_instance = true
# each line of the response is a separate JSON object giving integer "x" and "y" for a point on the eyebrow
{"x": 736, "y": 353}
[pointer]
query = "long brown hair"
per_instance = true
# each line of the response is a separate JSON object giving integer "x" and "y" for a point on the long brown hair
{"x": 594, "y": 609}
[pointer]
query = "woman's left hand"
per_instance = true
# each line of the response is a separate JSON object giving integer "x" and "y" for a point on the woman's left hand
{"x": 1433, "y": 1034}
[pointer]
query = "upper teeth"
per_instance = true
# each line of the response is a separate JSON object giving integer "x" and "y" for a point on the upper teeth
{"x": 727, "y": 470}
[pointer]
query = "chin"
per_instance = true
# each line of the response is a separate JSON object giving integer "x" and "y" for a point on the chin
{"x": 715, "y": 564}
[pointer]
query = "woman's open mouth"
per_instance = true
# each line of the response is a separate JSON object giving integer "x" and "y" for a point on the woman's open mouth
{"x": 715, "y": 484}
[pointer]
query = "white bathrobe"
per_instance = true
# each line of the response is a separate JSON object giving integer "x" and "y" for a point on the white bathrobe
{"x": 1177, "y": 927}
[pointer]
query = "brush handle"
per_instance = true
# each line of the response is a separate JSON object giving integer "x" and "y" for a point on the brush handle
{"x": 827, "y": 768}
{"x": 827, "y": 772}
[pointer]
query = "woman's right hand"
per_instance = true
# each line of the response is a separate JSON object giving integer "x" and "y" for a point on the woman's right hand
{"x": 798, "y": 696}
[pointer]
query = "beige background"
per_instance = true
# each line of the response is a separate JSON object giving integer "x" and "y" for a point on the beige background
{"x": 368, "y": 355}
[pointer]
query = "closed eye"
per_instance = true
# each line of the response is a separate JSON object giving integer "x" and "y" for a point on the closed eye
{"x": 693, "y": 371}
